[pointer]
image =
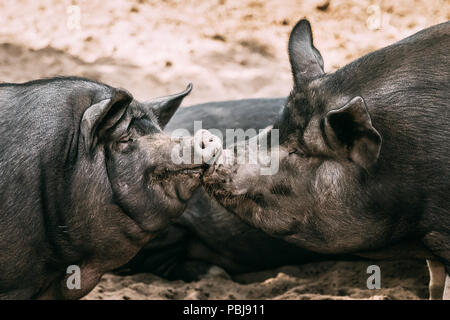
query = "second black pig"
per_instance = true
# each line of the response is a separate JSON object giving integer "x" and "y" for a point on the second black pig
{"x": 364, "y": 153}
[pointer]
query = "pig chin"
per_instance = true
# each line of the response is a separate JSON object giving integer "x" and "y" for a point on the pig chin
{"x": 177, "y": 185}
{"x": 186, "y": 184}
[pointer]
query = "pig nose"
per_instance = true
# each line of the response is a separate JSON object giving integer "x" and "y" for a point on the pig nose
{"x": 207, "y": 145}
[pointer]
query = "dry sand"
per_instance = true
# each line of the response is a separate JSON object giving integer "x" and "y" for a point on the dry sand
{"x": 229, "y": 49}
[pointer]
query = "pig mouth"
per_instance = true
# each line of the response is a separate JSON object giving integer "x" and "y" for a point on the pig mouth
{"x": 224, "y": 195}
{"x": 166, "y": 173}
{"x": 217, "y": 182}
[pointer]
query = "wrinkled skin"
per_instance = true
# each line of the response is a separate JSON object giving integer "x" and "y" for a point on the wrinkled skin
{"x": 364, "y": 152}
{"x": 86, "y": 179}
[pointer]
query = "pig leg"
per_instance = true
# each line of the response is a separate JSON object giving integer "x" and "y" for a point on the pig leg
{"x": 447, "y": 288}
{"x": 437, "y": 279}
{"x": 439, "y": 243}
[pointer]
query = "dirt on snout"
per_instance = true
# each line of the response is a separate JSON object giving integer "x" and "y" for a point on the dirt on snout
{"x": 324, "y": 280}
{"x": 229, "y": 49}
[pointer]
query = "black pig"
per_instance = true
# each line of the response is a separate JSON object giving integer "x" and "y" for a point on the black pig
{"x": 364, "y": 153}
{"x": 87, "y": 178}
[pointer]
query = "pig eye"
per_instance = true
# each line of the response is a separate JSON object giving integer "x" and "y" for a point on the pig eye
{"x": 124, "y": 144}
{"x": 298, "y": 152}
{"x": 125, "y": 139}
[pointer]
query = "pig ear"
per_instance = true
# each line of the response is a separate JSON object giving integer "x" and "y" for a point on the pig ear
{"x": 103, "y": 115}
{"x": 165, "y": 107}
{"x": 306, "y": 61}
{"x": 350, "y": 127}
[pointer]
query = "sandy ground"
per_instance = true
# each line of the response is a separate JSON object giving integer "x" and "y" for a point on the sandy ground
{"x": 325, "y": 280}
{"x": 229, "y": 49}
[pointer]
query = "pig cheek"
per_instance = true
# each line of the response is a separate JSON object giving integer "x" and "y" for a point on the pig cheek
{"x": 328, "y": 180}
{"x": 236, "y": 180}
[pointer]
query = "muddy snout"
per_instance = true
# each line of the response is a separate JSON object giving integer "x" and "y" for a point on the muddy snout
{"x": 200, "y": 150}
{"x": 207, "y": 146}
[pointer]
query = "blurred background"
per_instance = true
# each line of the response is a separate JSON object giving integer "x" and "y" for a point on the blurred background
{"x": 229, "y": 49}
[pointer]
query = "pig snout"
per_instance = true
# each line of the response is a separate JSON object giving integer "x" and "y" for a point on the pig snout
{"x": 207, "y": 146}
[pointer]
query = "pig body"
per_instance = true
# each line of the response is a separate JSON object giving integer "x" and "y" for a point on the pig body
{"x": 364, "y": 153}
{"x": 81, "y": 183}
